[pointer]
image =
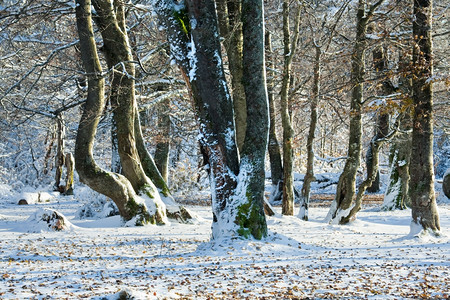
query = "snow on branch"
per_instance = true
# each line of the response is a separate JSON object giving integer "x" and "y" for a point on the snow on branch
{"x": 40, "y": 66}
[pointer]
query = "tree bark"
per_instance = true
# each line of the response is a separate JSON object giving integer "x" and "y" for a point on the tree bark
{"x": 196, "y": 49}
{"x": 421, "y": 188}
{"x": 286, "y": 117}
{"x": 446, "y": 184}
{"x": 276, "y": 167}
{"x": 69, "y": 162}
{"x": 113, "y": 185}
{"x": 341, "y": 211}
{"x": 382, "y": 116}
{"x": 309, "y": 176}
{"x": 230, "y": 25}
{"x": 59, "y": 159}
{"x": 396, "y": 196}
{"x": 254, "y": 148}
{"x": 163, "y": 144}
{"x": 116, "y": 166}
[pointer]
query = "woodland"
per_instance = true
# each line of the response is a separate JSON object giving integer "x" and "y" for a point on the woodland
{"x": 181, "y": 135}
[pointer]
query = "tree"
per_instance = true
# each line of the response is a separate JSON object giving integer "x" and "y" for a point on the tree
{"x": 163, "y": 144}
{"x": 382, "y": 115}
{"x": 286, "y": 117}
{"x": 230, "y": 26}
{"x": 396, "y": 196}
{"x": 342, "y": 209}
{"x": 276, "y": 166}
{"x": 421, "y": 188}
{"x": 192, "y": 31}
{"x": 123, "y": 190}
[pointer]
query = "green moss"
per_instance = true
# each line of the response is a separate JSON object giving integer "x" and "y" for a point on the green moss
{"x": 147, "y": 190}
{"x": 250, "y": 220}
{"x": 140, "y": 212}
{"x": 183, "y": 20}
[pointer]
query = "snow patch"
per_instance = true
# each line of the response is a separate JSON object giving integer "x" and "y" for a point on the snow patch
{"x": 192, "y": 57}
{"x": 45, "y": 220}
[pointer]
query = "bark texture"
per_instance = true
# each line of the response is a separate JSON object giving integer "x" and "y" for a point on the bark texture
{"x": 341, "y": 209}
{"x": 396, "y": 196}
{"x": 113, "y": 185}
{"x": 382, "y": 116}
{"x": 163, "y": 145}
{"x": 446, "y": 184}
{"x": 196, "y": 48}
{"x": 286, "y": 117}
{"x": 421, "y": 189}
{"x": 59, "y": 159}
{"x": 276, "y": 167}
{"x": 256, "y": 136}
{"x": 309, "y": 176}
{"x": 230, "y": 25}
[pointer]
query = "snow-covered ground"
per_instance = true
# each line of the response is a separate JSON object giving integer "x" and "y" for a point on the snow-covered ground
{"x": 374, "y": 257}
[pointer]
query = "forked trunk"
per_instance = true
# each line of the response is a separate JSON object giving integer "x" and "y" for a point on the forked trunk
{"x": 112, "y": 185}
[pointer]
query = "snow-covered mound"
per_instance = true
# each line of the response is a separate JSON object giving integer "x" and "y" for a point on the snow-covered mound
{"x": 47, "y": 220}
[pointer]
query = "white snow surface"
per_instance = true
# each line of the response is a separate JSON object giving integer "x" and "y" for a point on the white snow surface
{"x": 374, "y": 257}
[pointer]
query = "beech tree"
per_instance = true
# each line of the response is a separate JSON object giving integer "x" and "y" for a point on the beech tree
{"x": 421, "y": 187}
{"x": 134, "y": 193}
{"x": 290, "y": 45}
{"x": 343, "y": 208}
{"x": 237, "y": 186}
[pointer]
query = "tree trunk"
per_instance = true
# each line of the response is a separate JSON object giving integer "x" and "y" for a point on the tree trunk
{"x": 69, "y": 163}
{"x": 396, "y": 196}
{"x": 421, "y": 188}
{"x": 309, "y": 176}
{"x": 116, "y": 166}
{"x": 375, "y": 146}
{"x": 163, "y": 143}
{"x": 230, "y": 25}
{"x": 59, "y": 159}
{"x": 446, "y": 184}
{"x": 341, "y": 211}
{"x": 197, "y": 52}
{"x": 286, "y": 117}
{"x": 276, "y": 167}
{"x": 382, "y": 116}
{"x": 251, "y": 218}
{"x": 113, "y": 185}
{"x": 111, "y": 21}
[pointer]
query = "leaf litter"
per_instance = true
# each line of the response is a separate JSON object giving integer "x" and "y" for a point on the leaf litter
{"x": 373, "y": 257}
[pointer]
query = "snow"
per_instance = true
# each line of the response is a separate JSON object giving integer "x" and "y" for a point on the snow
{"x": 378, "y": 256}
{"x": 192, "y": 56}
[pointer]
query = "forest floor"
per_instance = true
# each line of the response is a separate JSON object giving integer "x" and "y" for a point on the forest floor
{"x": 373, "y": 257}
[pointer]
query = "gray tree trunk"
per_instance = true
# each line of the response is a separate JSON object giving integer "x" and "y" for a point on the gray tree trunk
{"x": 446, "y": 184}
{"x": 59, "y": 158}
{"x": 163, "y": 145}
{"x": 309, "y": 176}
{"x": 116, "y": 166}
{"x": 341, "y": 210}
{"x": 382, "y": 116}
{"x": 113, "y": 185}
{"x": 251, "y": 216}
{"x": 286, "y": 118}
{"x": 230, "y": 25}
{"x": 396, "y": 196}
{"x": 69, "y": 162}
{"x": 421, "y": 188}
{"x": 197, "y": 52}
{"x": 276, "y": 167}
